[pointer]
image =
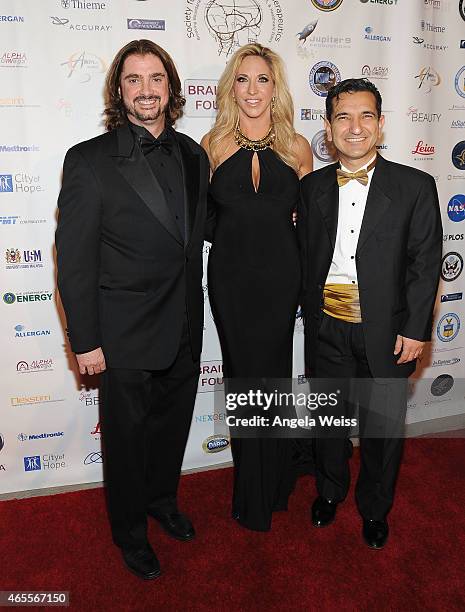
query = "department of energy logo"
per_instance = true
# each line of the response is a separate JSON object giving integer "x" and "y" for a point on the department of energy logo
{"x": 322, "y": 77}
{"x": 321, "y": 148}
{"x": 233, "y": 24}
{"x": 448, "y": 327}
{"x": 452, "y": 266}
{"x": 460, "y": 82}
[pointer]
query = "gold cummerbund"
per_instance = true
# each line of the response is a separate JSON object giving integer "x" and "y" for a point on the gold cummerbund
{"x": 342, "y": 302}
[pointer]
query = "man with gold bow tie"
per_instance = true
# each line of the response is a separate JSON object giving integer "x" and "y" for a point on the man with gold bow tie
{"x": 371, "y": 239}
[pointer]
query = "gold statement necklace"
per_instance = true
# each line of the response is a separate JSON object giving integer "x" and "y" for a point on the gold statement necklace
{"x": 254, "y": 145}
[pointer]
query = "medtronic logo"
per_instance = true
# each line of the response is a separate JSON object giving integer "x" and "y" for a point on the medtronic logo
{"x": 320, "y": 148}
{"x": 458, "y": 155}
{"x": 215, "y": 444}
{"x": 322, "y": 77}
{"x": 23, "y": 437}
{"x": 448, "y": 327}
{"x": 146, "y": 24}
{"x": 95, "y": 457}
{"x": 327, "y": 5}
{"x": 456, "y": 208}
{"x": 452, "y": 266}
{"x": 31, "y": 464}
{"x": 442, "y": 384}
{"x": 460, "y": 81}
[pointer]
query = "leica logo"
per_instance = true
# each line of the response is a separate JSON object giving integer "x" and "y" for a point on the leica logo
{"x": 423, "y": 148}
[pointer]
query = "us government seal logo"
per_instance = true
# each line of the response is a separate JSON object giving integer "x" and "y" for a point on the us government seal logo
{"x": 233, "y": 23}
{"x": 452, "y": 266}
{"x": 327, "y": 5}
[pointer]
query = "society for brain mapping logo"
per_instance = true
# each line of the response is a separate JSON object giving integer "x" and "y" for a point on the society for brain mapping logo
{"x": 456, "y": 208}
{"x": 448, "y": 327}
{"x": 460, "y": 82}
{"x": 458, "y": 155}
{"x": 452, "y": 266}
{"x": 233, "y": 24}
{"x": 322, "y": 149}
{"x": 322, "y": 77}
{"x": 327, "y": 5}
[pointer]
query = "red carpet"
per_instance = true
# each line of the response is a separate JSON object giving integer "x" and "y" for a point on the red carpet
{"x": 62, "y": 542}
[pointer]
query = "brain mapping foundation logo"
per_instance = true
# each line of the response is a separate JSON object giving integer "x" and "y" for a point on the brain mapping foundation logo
{"x": 327, "y": 5}
{"x": 322, "y": 77}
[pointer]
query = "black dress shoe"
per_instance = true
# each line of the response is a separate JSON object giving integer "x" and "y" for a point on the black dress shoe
{"x": 375, "y": 533}
{"x": 323, "y": 512}
{"x": 175, "y": 524}
{"x": 142, "y": 562}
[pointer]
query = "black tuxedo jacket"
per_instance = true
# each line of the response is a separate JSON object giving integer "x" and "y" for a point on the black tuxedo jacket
{"x": 125, "y": 275}
{"x": 398, "y": 258}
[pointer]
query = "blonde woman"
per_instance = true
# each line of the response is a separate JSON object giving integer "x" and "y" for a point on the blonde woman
{"x": 254, "y": 275}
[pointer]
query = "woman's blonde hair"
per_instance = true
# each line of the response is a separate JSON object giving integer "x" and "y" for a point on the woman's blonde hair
{"x": 228, "y": 112}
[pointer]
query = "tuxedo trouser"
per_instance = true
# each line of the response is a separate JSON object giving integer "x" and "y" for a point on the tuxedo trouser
{"x": 341, "y": 357}
{"x": 146, "y": 417}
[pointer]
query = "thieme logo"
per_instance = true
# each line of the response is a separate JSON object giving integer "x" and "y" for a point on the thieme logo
{"x": 82, "y": 5}
{"x": 232, "y": 25}
{"x": 426, "y": 26}
{"x": 370, "y": 35}
{"x": 428, "y": 78}
{"x": 375, "y": 72}
{"x": 448, "y": 327}
{"x": 146, "y": 24}
{"x": 322, "y": 77}
{"x": 456, "y": 208}
{"x": 31, "y": 296}
{"x": 320, "y": 148}
{"x": 200, "y": 97}
{"x": 458, "y": 155}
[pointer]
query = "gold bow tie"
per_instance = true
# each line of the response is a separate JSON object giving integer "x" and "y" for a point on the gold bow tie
{"x": 361, "y": 175}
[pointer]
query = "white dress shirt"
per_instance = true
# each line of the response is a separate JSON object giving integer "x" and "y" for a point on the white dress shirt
{"x": 352, "y": 201}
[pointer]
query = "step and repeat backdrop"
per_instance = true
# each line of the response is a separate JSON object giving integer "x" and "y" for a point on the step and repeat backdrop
{"x": 53, "y": 58}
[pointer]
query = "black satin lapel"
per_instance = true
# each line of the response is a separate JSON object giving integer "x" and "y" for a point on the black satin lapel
{"x": 191, "y": 175}
{"x": 136, "y": 171}
{"x": 377, "y": 204}
{"x": 328, "y": 202}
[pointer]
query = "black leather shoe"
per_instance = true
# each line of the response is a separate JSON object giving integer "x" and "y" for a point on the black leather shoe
{"x": 375, "y": 533}
{"x": 142, "y": 562}
{"x": 175, "y": 524}
{"x": 323, "y": 512}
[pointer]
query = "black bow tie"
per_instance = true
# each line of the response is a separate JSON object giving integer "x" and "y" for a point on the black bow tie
{"x": 148, "y": 145}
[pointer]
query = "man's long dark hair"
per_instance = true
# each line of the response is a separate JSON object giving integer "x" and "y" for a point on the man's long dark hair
{"x": 351, "y": 86}
{"x": 115, "y": 113}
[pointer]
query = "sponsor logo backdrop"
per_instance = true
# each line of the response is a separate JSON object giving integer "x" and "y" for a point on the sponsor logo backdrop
{"x": 53, "y": 59}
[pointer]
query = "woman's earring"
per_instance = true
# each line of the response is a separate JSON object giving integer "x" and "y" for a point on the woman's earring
{"x": 273, "y": 104}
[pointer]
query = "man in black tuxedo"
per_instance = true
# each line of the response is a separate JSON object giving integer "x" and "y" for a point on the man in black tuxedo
{"x": 371, "y": 241}
{"x": 129, "y": 250}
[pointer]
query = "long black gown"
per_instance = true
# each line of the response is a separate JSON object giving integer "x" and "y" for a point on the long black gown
{"x": 254, "y": 281}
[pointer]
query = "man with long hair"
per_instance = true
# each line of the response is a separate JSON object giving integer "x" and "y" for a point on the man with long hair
{"x": 371, "y": 240}
{"x": 129, "y": 251}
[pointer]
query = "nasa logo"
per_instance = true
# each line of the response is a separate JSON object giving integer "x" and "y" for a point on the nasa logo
{"x": 456, "y": 208}
{"x": 215, "y": 444}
